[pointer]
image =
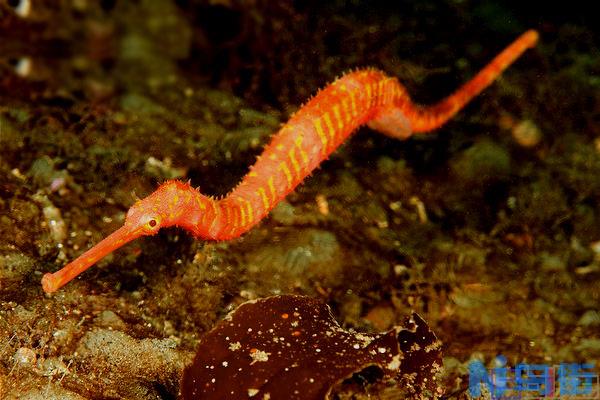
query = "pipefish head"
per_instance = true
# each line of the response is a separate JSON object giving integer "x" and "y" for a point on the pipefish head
{"x": 144, "y": 218}
{"x": 147, "y": 216}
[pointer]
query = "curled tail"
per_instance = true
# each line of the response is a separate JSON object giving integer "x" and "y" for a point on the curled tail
{"x": 412, "y": 118}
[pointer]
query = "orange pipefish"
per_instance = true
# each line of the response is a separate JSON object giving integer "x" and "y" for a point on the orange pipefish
{"x": 361, "y": 97}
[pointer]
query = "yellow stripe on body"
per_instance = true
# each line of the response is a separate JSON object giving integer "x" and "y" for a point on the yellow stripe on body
{"x": 298, "y": 143}
{"x": 375, "y": 89}
{"x": 398, "y": 92}
{"x": 346, "y": 105}
{"x": 292, "y": 157}
{"x": 272, "y": 189}
{"x": 353, "y": 104}
{"x": 264, "y": 198}
{"x": 329, "y": 125}
{"x": 283, "y": 167}
{"x": 346, "y": 110}
{"x": 380, "y": 91}
{"x": 242, "y": 212}
{"x": 215, "y": 208}
{"x": 338, "y": 117}
{"x": 199, "y": 203}
{"x": 203, "y": 219}
{"x": 321, "y": 134}
{"x": 233, "y": 218}
{"x": 389, "y": 92}
{"x": 233, "y": 226}
{"x": 250, "y": 209}
{"x": 237, "y": 216}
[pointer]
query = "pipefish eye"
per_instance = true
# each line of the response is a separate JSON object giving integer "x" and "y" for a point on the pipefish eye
{"x": 152, "y": 224}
